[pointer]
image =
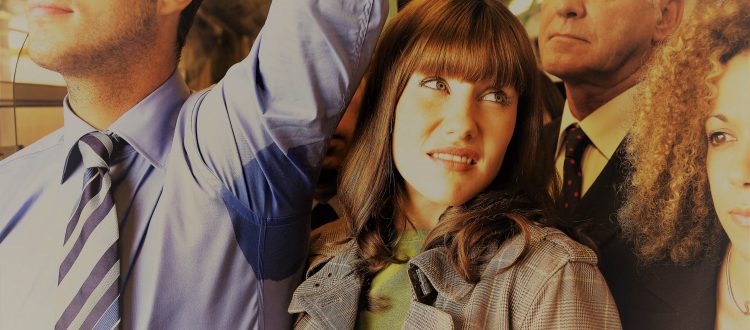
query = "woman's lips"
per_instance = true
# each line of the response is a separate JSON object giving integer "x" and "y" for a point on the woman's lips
{"x": 741, "y": 216}
{"x": 454, "y": 159}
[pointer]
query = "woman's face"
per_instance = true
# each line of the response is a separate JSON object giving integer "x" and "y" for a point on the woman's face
{"x": 728, "y": 158}
{"x": 450, "y": 137}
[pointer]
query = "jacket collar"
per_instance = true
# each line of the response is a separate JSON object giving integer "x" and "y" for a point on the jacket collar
{"x": 432, "y": 274}
{"x": 331, "y": 295}
{"x": 604, "y": 198}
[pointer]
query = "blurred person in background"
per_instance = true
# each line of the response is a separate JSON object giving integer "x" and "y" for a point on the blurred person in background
{"x": 690, "y": 150}
{"x": 221, "y": 36}
{"x": 326, "y": 206}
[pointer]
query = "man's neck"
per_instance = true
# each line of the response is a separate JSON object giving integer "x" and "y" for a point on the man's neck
{"x": 100, "y": 98}
{"x": 585, "y": 97}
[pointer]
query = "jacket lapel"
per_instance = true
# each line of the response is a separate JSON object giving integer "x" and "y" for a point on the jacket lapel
{"x": 599, "y": 206}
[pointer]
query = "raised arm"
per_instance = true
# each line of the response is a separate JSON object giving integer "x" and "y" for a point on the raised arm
{"x": 261, "y": 131}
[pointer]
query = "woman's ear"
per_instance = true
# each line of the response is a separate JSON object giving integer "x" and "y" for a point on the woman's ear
{"x": 168, "y": 7}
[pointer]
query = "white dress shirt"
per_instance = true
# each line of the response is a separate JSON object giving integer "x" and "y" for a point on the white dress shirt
{"x": 606, "y": 127}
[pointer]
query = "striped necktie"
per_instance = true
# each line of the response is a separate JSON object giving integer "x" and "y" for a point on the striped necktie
{"x": 89, "y": 275}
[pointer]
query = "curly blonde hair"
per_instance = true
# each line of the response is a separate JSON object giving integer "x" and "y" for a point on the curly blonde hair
{"x": 668, "y": 212}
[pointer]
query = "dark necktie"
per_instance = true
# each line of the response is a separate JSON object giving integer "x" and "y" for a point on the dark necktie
{"x": 575, "y": 142}
{"x": 89, "y": 275}
{"x": 322, "y": 214}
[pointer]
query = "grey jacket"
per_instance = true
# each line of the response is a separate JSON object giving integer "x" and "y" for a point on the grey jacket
{"x": 556, "y": 285}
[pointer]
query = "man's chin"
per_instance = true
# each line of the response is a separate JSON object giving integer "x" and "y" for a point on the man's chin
{"x": 44, "y": 54}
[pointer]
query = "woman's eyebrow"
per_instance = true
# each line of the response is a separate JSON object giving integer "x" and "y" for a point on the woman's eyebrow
{"x": 720, "y": 116}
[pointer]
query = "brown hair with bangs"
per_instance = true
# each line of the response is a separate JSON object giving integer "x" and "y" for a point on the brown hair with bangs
{"x": 476, "y": 40}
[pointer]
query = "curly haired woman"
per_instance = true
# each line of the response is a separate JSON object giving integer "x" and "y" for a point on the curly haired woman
{"x": 690, "y": 149}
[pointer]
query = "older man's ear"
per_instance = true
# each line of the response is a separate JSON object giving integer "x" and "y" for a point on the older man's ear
{"x": 168, "y": 7}
{"x": 670, "y": 16}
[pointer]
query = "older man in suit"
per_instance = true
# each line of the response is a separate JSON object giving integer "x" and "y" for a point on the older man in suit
{"x": 598, "y": 48}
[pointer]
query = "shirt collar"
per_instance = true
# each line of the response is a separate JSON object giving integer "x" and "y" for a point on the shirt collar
{"x": 607, "y": 126}
{"x": 148, "y": 126}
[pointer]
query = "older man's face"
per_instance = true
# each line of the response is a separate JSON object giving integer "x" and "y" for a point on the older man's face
{"x": 592, "y": 40}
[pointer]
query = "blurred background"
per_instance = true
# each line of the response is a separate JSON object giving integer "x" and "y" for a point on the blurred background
{"x": 31, "y": 97}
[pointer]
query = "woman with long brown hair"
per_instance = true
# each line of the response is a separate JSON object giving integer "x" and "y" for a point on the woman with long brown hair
{"x": 690, "y": 151}
{"x": 445, "y": 218}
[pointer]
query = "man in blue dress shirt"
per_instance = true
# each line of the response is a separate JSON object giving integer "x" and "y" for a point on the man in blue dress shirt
{"x": 212, "y": 190}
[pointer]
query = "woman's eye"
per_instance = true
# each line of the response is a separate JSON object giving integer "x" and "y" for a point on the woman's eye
{"x": 434, "y": 83}
{"x": 719, "y": 138}
{"x": 497, "y": 97}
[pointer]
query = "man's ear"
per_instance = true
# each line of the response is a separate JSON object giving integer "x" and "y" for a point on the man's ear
{"x": 669, "y": 18}
{"x": 168, "y": 7}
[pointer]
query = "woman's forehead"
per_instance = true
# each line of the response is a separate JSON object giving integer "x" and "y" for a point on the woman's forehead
{"x": 471, "y": 66}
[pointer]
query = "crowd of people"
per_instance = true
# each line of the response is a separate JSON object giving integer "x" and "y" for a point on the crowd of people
{"x": 425, "y": 177}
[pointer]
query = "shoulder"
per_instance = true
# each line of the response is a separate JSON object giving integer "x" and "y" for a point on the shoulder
{"x": 29, "y": 171}
{"x": 42, "y": 148}
{"x": 327, "y": 242}
{"x": 196, "y": 97}
{"x": 323, "y": 239}
{"x": 551, "y": 242}
{"x": 194, "y": 102}
{"x": 550, "y": 253}
{"x": 554, "y": 273}
{"x": 542, "y": 246}
{"x": 539, "y": 256}
{"x": 558, "y": 271}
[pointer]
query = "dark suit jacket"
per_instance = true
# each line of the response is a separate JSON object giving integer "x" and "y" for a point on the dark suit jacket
{"x": 660, "y": 296}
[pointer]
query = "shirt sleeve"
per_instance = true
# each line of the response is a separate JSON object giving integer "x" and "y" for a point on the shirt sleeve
{"x": 575, "y": 297}
{"x": 262, "y": 129}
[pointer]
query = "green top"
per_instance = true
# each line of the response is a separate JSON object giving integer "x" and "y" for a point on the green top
{"x": 392, "y": 9}
{"x": 392, "y": 283}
